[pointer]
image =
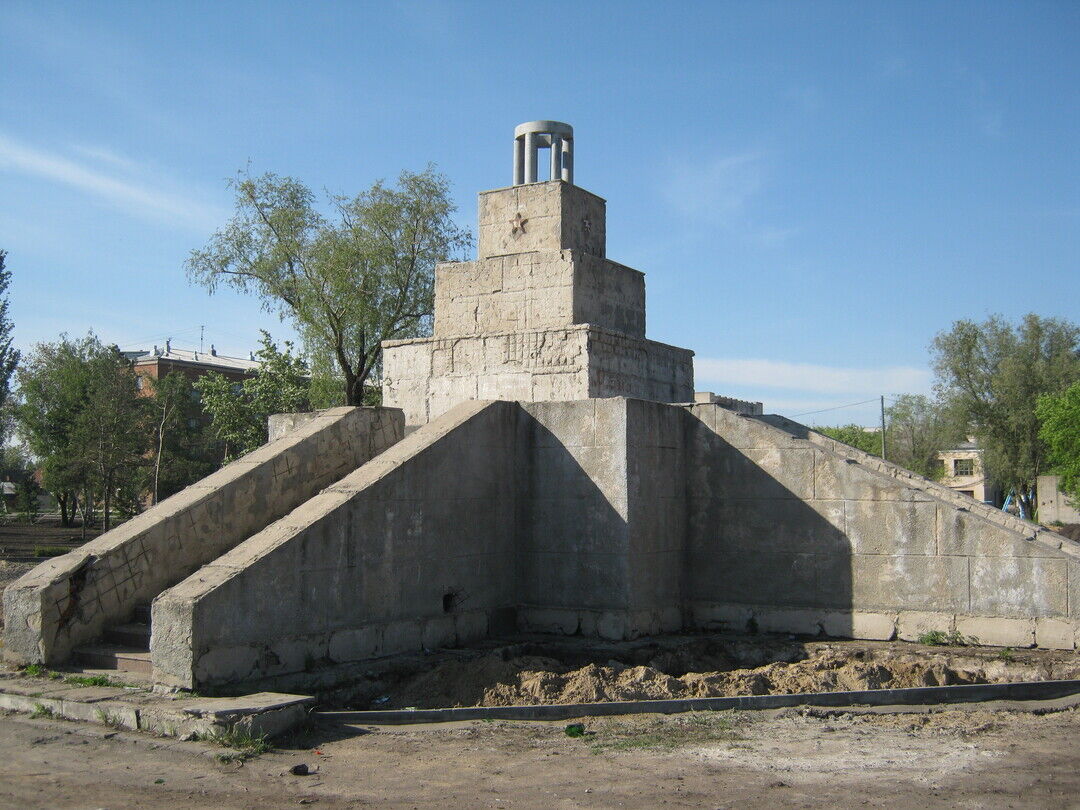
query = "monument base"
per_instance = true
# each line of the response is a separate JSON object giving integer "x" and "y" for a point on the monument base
{"x": 431, "y": 375}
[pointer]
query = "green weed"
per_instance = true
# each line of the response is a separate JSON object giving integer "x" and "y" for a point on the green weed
{"x": 91, "y": 680}
{"x": 954, "y": 638}
{"x": 50, "y": 551}
{"x": 39, "y": 671}
{"x": 107, "y": 719}
{"x": 244, "y": 744}
{"x": 1006, "y": 654}
{"x": 42, "y": 711}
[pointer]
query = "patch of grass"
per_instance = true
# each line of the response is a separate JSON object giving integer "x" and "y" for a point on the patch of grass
{"x": 244, "y": 744}
{"x": 91, "y": 680}
{"x": 954, "y": 638}
{"x": 39, "y": 671}
{"x": 1006, "y": 654}
{"x": 107, "y": 719}
{"x": 574, "y": 730}
{"x": 665, "y": 734}
{"x": 50, "y": 551}
{"x": 42, "y": 711}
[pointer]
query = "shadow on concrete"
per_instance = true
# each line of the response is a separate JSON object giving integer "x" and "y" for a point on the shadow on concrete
{"x": 759, "y": 540}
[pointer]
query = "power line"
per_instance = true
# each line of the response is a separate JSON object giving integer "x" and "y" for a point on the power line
{"x": 836, "y": 408}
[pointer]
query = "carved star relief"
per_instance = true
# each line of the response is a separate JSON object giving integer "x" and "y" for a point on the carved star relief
{"x": 517, "y": 224}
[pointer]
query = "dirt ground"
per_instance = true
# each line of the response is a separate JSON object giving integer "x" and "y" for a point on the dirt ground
{"x": 786, "y": 759}
{"x": 576, "y": 670}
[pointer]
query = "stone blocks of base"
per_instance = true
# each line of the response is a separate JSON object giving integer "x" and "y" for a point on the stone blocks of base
{"x": 541, "y": 315}
{"x": 614, "y": 518}
{"x": 540, "y": 290}
{"x": 427, "y": 377}
{"x": 557, "y": 216}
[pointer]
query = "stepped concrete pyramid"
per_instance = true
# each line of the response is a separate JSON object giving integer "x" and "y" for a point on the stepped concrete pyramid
{"x": 538, "y": 467}
{"x": 541, "y": 315}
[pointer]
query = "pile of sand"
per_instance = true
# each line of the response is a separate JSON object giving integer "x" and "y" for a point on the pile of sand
{"x": 492, "y": 681}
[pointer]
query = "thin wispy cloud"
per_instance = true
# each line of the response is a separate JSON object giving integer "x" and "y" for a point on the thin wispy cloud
{"x": 716, "y": 189}
{"x": 810, "y": 377}
{"x": 101, "y": 154}
{"x": 726, "y": 192}
{"x": 136, "y": 197}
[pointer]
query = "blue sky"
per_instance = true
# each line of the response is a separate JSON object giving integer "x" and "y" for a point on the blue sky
{"x": 813, "y": 189}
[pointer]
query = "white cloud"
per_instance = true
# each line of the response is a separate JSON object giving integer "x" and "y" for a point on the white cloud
{"x": 810, "y": 377}
{"x": 104, "y": 155}
{"x": 137, "y": 198}
{"x": 717, "y": 189}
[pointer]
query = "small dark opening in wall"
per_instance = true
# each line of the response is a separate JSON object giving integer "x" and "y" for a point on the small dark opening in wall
{"x": 449, "y": 602}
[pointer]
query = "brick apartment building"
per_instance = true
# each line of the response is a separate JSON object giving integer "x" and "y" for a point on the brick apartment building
{"x": 192, "y": 364}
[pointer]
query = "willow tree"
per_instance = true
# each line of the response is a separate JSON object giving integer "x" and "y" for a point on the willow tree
{"x": 348, "y": 280}
{"x": 992, "y": 374}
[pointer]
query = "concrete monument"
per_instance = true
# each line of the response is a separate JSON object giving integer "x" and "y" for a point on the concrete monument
{"x": 561, "y": 476}
{"x": 542, "y": 314}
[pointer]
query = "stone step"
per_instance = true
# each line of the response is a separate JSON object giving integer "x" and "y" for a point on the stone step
{"x": 115, "y": 656}
{"x": 142, "y": 614}
{"x": 135, "y": 635}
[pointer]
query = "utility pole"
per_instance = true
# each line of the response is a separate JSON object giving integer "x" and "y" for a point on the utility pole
{"x": 882, "y": 427}
{"x": 202, "y": 329}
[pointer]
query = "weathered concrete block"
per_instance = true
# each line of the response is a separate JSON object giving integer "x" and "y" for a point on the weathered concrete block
{"x": 549, "y": 620}
{"x": 843, "y": 478}
{"x": 998, "y": 632}
{"x": 402, "y": 636}
{"x": 876, "y": 626}
{"x": 913, "y": 624}
{"x": 1055, "y": 634}
{"x": 728, "y": 617}
{"x": 915, "y": 583}
{"x": 356, "y": 644}
{"x": 1019, "y": 587}
{"x": 799, "y": 622}
{"x": 965, "y": 532}
{"x": 439, "y": 631}
{"x": 612, "y": 624}
{"x": 891, "y": 527}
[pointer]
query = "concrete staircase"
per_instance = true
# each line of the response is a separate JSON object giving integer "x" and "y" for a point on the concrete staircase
{"x": 123, "y": 647}
{"x": 82, "y": 605}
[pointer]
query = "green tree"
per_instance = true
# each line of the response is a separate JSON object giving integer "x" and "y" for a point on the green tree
{"x": 238, "y": 411}
{"x": 992, "y": 374}
{"x": 857, "y": 436}
{"x": 347, "y": 282}
{"x": 1059, "y": 415}
{"x": 917, "y": 429}
{"x": 83, "y": 421}
{"x": 110, "y": 431}
{"x": 9, "y": 357}
{"x": 180, "y": 451}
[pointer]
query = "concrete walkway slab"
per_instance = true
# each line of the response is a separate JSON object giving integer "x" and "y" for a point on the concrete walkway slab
{"x": 140, "y": 708}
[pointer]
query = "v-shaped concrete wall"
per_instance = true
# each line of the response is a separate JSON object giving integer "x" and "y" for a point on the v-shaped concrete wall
{"x": 611, "y": 517}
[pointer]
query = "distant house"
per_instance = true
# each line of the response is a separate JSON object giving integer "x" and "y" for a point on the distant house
{"x": 962, "y": 470}
{"x": 192, "y": 364}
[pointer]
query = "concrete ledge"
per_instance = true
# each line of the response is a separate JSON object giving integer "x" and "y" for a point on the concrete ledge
{"x": 907, "y": 625}
{"x": 138, "y": 709}
{"x": 919, "y": 696}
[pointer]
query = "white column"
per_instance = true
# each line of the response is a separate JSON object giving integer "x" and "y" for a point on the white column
{"x": 530, "y": 157}
{"x": 556, "y": 157}
{"x": 568, "y": 160}
{"x": 519, "y": 161}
